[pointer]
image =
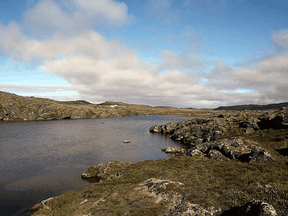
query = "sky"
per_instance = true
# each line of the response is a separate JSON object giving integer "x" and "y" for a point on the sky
{"x": 180, "y": 53}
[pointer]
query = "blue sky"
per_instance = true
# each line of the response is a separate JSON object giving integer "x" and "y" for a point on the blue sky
{"x": 183, "y": 53}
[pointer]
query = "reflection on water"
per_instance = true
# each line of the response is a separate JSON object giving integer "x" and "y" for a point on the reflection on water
{"x": 46, "y": 158}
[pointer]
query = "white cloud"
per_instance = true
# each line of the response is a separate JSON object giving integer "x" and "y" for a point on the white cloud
{"x": 88, "y": 43}
{"x": 109, "y": 10}
{"x": 47, "y": 17}
{"x": 267, "y": 77}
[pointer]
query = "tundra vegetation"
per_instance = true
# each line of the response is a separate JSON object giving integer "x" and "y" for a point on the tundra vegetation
{"x": 235, "y": 164}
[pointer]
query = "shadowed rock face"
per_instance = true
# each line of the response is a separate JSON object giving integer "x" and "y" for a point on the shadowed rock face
{"x": 253, "y": 208}
{"x": 276, "y": 120}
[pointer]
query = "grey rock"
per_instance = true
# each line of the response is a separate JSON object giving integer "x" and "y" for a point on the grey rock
{"x": 217, "y": 155}
{"x": 274, "y": 120}
{"x": 258, "y": 154}
{"x": 173, "y": 150}
{"x": 235, "y": 148}
{"x": 95, "y": 173}
{"x": 193, "y": 131}
{"x": 189, "y": 209}
{"x": 156, "y": 189}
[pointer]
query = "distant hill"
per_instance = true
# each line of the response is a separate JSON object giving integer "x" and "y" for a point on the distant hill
{"x": 165, "y": 107}
{"x": 77, "y": 102}
{"x": 254, "y": 107}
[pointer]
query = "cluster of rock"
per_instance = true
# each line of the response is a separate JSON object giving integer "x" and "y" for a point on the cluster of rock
{"x": 200, "y": 135}
{"x": 197, "y": 130}
{"x": 235, "y": 148}
{"x": 268, "y": 120}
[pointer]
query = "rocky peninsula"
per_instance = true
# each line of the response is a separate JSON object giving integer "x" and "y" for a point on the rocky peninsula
{"x": 234, "y": 163}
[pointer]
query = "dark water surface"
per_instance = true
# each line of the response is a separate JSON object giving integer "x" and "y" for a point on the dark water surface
{"x": 40, "y": 159}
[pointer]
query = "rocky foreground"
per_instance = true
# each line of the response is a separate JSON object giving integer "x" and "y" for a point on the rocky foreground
{"x": 235, "y": 164}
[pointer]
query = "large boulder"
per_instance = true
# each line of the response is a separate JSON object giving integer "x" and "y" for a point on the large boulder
{"x": 274, "y": 120}
{"x": 249, "y": 125}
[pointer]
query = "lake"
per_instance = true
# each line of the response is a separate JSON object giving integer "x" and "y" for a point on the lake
{"x": 41, "y": 159}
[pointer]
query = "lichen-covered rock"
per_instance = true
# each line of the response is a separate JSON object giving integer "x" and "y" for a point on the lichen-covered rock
{"x": 195, "y": 152}
{"x": 192, "y": 131}
{"x": 217, "y": 155}
{"x": 235, "y": 148}
{"x": 173, "y": 150}
{"x": 96, "y": 173}
{"x": 250, "y": 123}
{"x": 158, "y": 190}
{"x": 274, "y": 120}
{"x": 189, "y": 209}
{"x": 258, "y": 154}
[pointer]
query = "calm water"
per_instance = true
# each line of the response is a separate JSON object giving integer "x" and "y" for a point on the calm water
{"x": 40, "y": 159}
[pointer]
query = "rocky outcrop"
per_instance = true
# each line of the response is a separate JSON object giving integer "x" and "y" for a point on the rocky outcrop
{"x": 159, "y": 191}
{"x": 98, "y": 172}
{"x": 235, "y": 148}
{"x": 189, "y": 209}
{"x": 201, "y": 134}
{"x": 268, "y": 120}
{"x": 249, "y": 125}
{"x": 193, "y": 131}
{"x": 253, "y": 208}
{"x": 275, "y": 120}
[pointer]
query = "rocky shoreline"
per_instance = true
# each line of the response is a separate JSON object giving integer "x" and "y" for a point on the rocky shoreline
{"x": 235, "y": 164}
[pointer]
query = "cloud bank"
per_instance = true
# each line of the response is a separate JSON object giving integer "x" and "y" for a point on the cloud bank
{"x": 66, "y": 44}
